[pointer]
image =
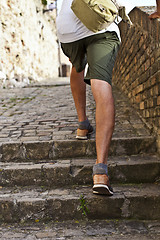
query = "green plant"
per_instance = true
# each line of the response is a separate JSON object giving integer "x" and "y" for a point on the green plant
{"x": 44, "y": 2}
{"x": 83, "y": 206}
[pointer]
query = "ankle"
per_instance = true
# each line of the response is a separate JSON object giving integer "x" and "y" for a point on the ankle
{"x": 100, "y": 168}
{"x": 83, "y": 124}
{"x": 101, "y": 162}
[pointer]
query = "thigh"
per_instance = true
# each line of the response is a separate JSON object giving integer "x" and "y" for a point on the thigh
{"x": 76, "y": 53}
{"x": 101, "y": 55}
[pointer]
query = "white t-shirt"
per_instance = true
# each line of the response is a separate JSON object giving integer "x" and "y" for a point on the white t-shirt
{"x": 70, "y": 28}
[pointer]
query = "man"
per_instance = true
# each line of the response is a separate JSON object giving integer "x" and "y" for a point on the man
{"x": 156, "y": 14}
{"x": 98, "y": 50}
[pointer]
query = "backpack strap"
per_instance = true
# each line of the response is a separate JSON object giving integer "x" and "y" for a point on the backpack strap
{"x": 122, "y": 12}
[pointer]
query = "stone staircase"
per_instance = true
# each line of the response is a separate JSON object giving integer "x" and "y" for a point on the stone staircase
{"x": 52, "y": 180}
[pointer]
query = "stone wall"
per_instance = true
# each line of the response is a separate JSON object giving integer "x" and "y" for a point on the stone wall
{"x": 137, "y": 68}
{"x": 28, "y": 43}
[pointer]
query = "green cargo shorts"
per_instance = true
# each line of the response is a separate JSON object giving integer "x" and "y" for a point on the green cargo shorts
{"x": 99, "y": 51}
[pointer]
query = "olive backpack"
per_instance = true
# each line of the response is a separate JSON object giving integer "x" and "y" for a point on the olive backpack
{"x": 99, "y": 14}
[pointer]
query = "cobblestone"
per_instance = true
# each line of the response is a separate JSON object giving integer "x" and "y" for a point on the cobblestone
{"x": 48, "y": 113}
{"x": 83, "y": 230}
{"x": 31, "y": 121}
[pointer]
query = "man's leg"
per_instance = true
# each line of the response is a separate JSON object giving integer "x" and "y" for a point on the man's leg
{"x": 78, "y": 88}
{"x": 105, "y": 117}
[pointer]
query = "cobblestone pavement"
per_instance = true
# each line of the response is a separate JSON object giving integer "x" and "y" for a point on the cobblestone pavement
{"x": 47, "y": 112}
{"x": 84, "y": 230}
{"x": 43, "y": 113}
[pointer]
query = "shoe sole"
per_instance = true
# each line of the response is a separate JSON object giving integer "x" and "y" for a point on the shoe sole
{"x": 84, "y": 137}
{"x": 102, "y": 190}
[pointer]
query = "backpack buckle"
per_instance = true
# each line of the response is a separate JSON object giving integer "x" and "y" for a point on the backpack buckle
{"x": 102, "y": 9}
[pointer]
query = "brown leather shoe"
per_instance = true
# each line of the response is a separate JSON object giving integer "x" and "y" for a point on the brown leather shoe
{"x": 82, "y": 134}
{"x": 102, "y": 185}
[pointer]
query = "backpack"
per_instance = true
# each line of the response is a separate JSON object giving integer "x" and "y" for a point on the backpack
{"x": 99, "y": 14}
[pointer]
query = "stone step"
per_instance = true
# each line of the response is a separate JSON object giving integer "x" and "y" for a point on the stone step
{"x": 35, "y": 151}
{"x": 83, "y": 230}
{"x": 128, "y": 202}
{"x": 129, "y": 169}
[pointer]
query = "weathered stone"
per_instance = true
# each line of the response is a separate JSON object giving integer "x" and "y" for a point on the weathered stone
{"x": 38, "y": 150}
{"x": 74, "y": 149}
{"x": 144, "y": 208}
{"x": 86, "y": 229}
{"x": 11, "y": 151}
{"x": 137, "y": 169}
{"x": 64, "y": 205}
{"x": 12, "y": 235}
{"x": 32, "y": 57}
{"x": 6, "y": 210}
{"x": 130, "y": 146}
{"x": 46, "y": 234}
{"x": 47, "y": 177}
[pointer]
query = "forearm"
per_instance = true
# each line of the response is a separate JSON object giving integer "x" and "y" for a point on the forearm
{"x": 158, "y": 5}
{"x": 157, "y": 13}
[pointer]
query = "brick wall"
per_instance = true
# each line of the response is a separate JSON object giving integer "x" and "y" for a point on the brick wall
{"x": 137, "y": 67}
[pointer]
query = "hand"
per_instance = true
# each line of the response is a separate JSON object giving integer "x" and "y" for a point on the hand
{"x": 154, "y": 15}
